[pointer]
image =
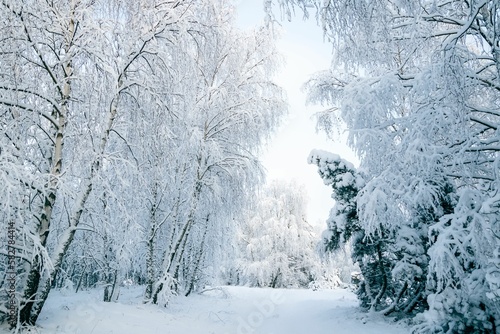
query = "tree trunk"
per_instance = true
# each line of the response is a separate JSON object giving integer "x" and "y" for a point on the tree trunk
{"x": 274, "y": 281}
{"x": 79, "y": 283}
{"x": 109, "y": 289}
{"x": 195, "y": 270}
{"x": 181, "y": 240}
{"x": 34, "y": 277}
{"x": 68, "y": 235}
{"x": 380, "y": 263}
{"x": 30, "y": 290}
{"x": 150, "y": 270}
{"x": 393, "y": 307}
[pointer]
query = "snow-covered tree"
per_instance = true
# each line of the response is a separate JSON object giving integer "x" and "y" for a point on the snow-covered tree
{"x": 124, "y": 129}
{"x": 229, "y": 106}
{"x": 277, "y": 244}
{"x": 417, "y": 85}
{"x": 370, "y": 253}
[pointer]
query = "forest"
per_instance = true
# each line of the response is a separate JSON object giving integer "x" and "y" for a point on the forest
{"x": 130, "y": 142}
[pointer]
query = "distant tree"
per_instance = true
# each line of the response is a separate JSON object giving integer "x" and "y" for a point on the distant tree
{"x": 277, "y": 244}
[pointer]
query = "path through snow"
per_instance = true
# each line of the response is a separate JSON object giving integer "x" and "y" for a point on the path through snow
{"x": 228, "y": 310}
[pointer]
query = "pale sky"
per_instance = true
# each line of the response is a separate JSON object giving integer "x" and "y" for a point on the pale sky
{"x": 305, "y": 53}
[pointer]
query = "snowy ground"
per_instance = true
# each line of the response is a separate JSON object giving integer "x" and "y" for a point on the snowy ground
{"x": 229, "y": 310}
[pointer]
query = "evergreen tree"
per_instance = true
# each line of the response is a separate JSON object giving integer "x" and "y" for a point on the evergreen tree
{"x": 370, "y": 252}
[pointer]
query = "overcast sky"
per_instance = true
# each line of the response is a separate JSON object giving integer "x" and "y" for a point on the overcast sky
{"x": 305, "y": 53}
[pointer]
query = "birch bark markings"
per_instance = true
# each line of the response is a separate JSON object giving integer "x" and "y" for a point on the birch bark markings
{"x": 122, "y": 84}
{"x": 52, "y": 40}
{"x": 87, "y": 69}
{"x": 61, "y": 81}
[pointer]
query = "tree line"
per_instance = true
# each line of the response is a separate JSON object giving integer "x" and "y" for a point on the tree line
{"x": 129, "y": 135}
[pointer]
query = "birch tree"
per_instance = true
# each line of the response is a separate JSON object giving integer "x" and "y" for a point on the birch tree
{"x": 229, "y": 106}
{"x": 127, "y": 128}
{"x": 70, "y": 72}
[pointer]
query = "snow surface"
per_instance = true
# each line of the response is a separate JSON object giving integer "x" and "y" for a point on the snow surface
{"x": 225, "y": 310}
